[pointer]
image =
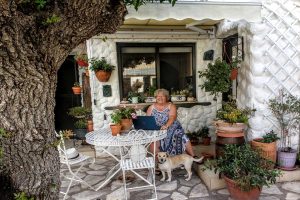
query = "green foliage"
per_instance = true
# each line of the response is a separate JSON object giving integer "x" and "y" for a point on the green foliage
{"x": 270, "y": 137}
{"x": 80, "y": 124}
{"x": 22, "y": 196}
{"x": 141, "y": 96}
{"x": 101, "y": 64}
{"x": 138, "y": 3}
{"x": 286, "y": 109}
{"x": 79, "y": 111}
{"x": 127, "y": 113}
{"x": 217, "y": 77}
{"x": 203, "y": 132}
{"x": 151, "y": 90}
{"x": 116, "y": 117}
{"x": 51, "y": 20}
{"x": 81, "y": 56}
{"x": 76, "y": 84}
{"x": 40, "y": 4}
{"x": 245, "y": 166}
{"x": 231, "y": 114}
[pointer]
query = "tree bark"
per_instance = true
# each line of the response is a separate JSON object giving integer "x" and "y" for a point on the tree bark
{"x": 31, "y": 52}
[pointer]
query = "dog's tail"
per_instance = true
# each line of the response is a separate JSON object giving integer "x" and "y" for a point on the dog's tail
{"x": 199, "y": 160}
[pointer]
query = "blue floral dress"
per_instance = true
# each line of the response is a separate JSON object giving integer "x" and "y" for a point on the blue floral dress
{"x": 176, "y": 139}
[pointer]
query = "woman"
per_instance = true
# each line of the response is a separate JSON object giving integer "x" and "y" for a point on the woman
{"x": 165, "y": 114}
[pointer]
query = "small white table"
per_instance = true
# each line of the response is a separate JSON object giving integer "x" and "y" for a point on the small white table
{"x": 103, "y": 138}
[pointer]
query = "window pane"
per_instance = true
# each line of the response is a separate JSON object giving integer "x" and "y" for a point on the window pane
{"x": 138, "y": 69}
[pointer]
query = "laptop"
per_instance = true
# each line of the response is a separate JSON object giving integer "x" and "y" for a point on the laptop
{"x": 145, "y": 123}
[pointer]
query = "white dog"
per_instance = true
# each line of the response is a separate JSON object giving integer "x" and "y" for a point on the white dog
{"x": 167, "y": 163}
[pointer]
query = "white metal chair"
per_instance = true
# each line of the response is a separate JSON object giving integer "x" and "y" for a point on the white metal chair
{"x": 137, "y": 157}
{"x": 69, "y": 158}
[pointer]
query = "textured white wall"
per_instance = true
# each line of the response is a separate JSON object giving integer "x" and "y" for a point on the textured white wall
{"x": 191, "y": 118}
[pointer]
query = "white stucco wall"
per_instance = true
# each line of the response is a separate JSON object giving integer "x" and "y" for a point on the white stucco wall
{"x": 191, "y": 118}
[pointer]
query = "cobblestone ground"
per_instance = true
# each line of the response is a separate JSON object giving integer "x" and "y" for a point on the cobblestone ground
{"x": 177, "y": 189}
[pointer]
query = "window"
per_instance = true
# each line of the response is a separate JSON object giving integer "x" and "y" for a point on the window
{"x": 169, "y": 66}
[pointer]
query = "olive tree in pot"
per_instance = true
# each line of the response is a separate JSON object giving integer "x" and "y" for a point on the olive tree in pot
{"x": 244, "y": 171}
{"x": 286, "y": 109}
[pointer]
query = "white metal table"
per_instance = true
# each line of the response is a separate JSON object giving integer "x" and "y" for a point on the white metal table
{"x": 103, "y": 138}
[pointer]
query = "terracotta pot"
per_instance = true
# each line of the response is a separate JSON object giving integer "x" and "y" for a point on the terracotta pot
{"x": 103, "y": 76}
{"x": 234, "y": 73}
{"x": 126, "y": 124}
{"x": 90, "y": 125}
{"x": 76, "y": 90}
{"x": 237, "y": 194}
{"x": 115, "y": 129}
{"x": 225, "y": 127}
{"x": 268, "y": 150}
{"x": 82, "y": 63}
{"x": 194, "y": 141}
{"x": 206, "y": 141}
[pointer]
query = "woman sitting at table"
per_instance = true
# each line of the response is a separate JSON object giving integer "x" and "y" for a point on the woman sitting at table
{"x": 165, "y": 114}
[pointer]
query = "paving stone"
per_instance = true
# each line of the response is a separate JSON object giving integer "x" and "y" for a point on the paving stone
{"x": 67, "y": 182}
{"x": 96, "y": 166}
{"x": 100, "y": 161}
{"x": 268, "y": 198}
{"x": 223, "y": 191}
{"x": 74, "y": 189}
{"x": 273, "y": 189}
{"x": 199, "y": 191}
{"x": 161, "y": 195}
{"x": 98, "y": 172}
{"x": 292, "y": 196}
{"x": 116, "y": 184}
{"x": 178, "y": 196}
{"x": 88, "y": 195}
{"x": 292, "y": 186}
{"x": 184, "y": 189}
{"x": 79, "y": 174}
{"x": 117, "y": 195}
{"x": 190, "y": 183}
{"x": 168, "y": 186}
{"x": 92, "y": 180}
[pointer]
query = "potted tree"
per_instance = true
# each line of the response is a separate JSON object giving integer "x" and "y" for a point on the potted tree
{"x": 204, "y": 134}
{"x": 116, "y": 122}
{"x": 102, "y": 69}
{"x": 82, "y": 60}
{"x": 267, "y": 145}
{"x": 76, "y": 88}
{"x": 127, "y": 114}
{"x": 244, "y": 171}
{"x": 286, "y": 109}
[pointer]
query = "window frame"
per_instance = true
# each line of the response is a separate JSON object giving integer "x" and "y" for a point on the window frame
{"x": 121, "y": 45}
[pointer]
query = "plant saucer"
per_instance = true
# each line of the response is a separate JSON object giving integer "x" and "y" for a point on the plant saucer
{"x": 288, "y": 168}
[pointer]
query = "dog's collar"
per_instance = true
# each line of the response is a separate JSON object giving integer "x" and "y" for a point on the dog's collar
{"x": 162, "y": 162}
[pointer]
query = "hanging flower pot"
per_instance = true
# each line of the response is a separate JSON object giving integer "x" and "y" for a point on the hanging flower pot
{"x": 82, "y": 60}
{"x": 76, "y": 88}
{"x": 103, "y": 76}
{"x": 234, "y": 73}
{"x": 82, "y": 63}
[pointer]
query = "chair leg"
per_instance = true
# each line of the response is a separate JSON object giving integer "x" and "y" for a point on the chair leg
{"x": 124, "y": 183}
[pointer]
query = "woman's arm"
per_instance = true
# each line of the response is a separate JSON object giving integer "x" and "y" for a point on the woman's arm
{"x": 149, "y": 110}
{"x": 172, "y": 117}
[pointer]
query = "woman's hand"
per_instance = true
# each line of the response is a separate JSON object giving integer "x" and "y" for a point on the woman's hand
{"x": 164, "y": 127}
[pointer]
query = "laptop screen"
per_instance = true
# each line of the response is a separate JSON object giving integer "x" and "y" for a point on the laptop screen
{"x": 145, "y": 123}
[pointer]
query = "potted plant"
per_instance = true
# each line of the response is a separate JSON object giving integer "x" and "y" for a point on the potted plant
{"x": 230, "y": 125}
{"x": 244, "y": 171}
{"x": 179, "y": 95}
{"x": 102, "y": 69}
{"x": 116, "y": 122}
{"x": 234, "y": 68}
{"x": 127, "y": 114}
{"x": 204, "y": 134}
{"x": 76, "y": 88}
{"x": 267, "y": 145}
{"x": 79, "y": 112}
{"x": 80, "y": 129}
{"x": 286, "y": 109}
{"x": 150, "y": 95}
{"x": 82, "y": 60}
{"x": 194, "y": 138}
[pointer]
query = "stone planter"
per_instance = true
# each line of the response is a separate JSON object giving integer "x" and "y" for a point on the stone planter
{"x": 178, "y": 98}
{"x": 80, "y": 133}
{"x": 287, "y": 160}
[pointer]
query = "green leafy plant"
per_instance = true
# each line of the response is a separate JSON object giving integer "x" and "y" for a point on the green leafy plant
{"x": 245, "y": 166}
{"x": 270, "y": 137}
{"x": 79, "y": 111}
{"x": 286, "y": 109}
{"x": 203, "y": 132}
{"x": 22, "y": 196}
{"x": 40, "y": 4}
{"x": 231, "y": 114}
{"x": 80, "y": 124}
{"x": 151, "y": 90}
{"x": 127, "y": 113}
{"x": 82, "y": 57}
{"x": 51, "y": 20}
{"x": 76, "y": 84}
{"x": 101, "y": 64}
{"x": 116, "y": 117}
{"x": 217, "y": 77}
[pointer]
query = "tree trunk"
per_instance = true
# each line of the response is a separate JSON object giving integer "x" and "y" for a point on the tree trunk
{"x": 31, "y": 51}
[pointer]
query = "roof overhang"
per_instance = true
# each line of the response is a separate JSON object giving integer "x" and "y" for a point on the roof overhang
{"x": 197, "y": 16}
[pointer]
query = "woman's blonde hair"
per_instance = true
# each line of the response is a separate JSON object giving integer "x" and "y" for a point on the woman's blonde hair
{"x": 163, "y": 91}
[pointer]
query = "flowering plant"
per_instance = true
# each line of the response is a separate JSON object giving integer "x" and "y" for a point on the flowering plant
{"x": 125, "y": 113}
